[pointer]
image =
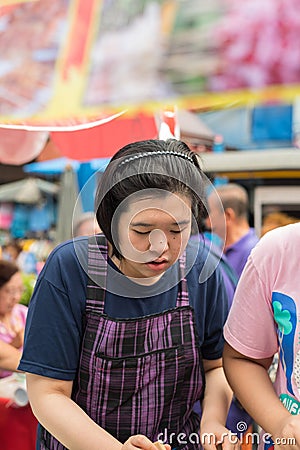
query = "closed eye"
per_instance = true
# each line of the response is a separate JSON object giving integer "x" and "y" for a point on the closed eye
{"x": 148, "y": 232}
{"x": 178, "y": 231}
{"x": 141, "y": 232}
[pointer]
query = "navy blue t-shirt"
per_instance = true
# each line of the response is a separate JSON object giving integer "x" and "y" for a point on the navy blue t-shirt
{"x": 54, "y": 327}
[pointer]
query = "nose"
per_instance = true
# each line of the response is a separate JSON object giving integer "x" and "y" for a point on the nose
{"x": 158, "y": 241}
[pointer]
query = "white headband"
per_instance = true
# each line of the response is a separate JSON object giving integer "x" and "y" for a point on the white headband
{"x": 157, "y": 152}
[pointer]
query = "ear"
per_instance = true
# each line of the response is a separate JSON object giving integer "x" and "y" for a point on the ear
{"x": 230, "y": 215}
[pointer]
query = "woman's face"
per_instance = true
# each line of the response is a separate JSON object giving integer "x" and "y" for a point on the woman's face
{"x": 153, "y": 233}
{"x": 11, "y": 293}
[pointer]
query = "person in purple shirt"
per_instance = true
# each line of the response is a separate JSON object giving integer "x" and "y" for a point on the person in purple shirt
{"x": 231, "y": 223}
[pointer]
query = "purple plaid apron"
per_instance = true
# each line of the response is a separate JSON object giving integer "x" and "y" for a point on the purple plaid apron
{"x": 141, "y": 375}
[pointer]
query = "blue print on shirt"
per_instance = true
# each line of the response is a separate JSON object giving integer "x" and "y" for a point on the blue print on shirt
{"x": 285, "y": 315}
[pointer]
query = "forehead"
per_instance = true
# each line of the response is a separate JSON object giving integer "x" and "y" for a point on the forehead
{"x": 169, "y": 206}
{"x": 15, "y": 280}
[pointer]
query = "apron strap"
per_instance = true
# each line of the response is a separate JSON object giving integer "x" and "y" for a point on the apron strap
{"x": 183, "y": 295}
{"x": 97, "y": 272}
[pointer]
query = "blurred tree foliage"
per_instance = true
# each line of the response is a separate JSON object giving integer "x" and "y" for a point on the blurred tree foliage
{"x": 29, "y": 280}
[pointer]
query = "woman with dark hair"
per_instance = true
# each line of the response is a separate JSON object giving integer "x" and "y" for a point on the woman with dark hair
{"x": 12, "y": 313}
{"x": 124, "y": 331}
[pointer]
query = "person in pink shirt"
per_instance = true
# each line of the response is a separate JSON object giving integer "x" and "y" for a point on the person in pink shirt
{"x": 264, "y": 320}
{"x": 12, "y": 314}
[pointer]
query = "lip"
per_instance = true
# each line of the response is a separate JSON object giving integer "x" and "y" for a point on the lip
{"x": 158, "y": 265}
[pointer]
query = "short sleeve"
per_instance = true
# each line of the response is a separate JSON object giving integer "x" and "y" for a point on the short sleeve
{"x": 210, "y": 302}
{"x": 216, "y": 314}
{"x": 250, "y": 327}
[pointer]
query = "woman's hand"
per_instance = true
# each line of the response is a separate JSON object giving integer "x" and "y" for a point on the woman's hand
{"x": 140, "y": 442}
{"x": 215, "y": 435}
{"x": 288, "y": 435}
{"x": 18, "y": 340}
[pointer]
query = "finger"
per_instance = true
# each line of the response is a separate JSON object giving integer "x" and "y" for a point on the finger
{"x": 210, "y": 446}
{"x": 142, "y": 442}
{"x": 160, "y": 446}
{"x": 231, "y": 443}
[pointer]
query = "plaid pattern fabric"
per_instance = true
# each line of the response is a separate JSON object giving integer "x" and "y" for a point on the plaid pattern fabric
{"x": 138, "y": 376}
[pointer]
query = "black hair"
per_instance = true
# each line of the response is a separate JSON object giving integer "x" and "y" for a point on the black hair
{"x": 153, "y": 164}
{"x": 7, "y": 270}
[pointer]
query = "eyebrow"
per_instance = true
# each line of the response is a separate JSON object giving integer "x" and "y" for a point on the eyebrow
{"x": 143, "y": 224}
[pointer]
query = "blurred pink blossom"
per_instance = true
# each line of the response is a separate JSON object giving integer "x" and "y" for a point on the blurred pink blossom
{"x": 258, "y": 44}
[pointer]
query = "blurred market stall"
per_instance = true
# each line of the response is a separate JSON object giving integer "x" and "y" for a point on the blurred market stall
{"x": 88, "y": 59}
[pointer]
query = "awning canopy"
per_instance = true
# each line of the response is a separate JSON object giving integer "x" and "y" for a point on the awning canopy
{"x": 28, "y": 191}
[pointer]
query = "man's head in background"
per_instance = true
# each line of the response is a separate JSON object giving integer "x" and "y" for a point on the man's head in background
{"x": 232, "y": 211}
{"x": 86, "y": 225}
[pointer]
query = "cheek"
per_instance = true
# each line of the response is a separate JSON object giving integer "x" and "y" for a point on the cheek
{"x": 139, "y": 242}
{"x": 3, "y": 305}
{"x": 178, "y": 243}
{"x": 130, "y": 241}
{"x": 185, "y": 238}
{"x": 123, "y": 239}
{"x": 17, "y": 299}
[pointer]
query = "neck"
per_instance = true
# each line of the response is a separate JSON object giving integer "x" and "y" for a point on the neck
{"x": 234, "y": 234}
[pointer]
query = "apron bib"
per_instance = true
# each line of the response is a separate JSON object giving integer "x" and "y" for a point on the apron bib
{"x": 141, "y": 375}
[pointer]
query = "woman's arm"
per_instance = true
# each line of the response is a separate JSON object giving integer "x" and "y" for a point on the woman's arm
{"x": 251, "y": 384}
{"x": 9, "y": 357}
{"x": 51, "y": 403}
{"x": 215, "y": 406}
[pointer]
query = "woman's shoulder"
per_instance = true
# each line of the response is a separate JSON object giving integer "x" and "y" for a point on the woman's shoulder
{"x": 77, "y": 247}
{"x": 68, "y": 254}
{"x": 279, "y": 243}
{"x": 202, "y": 264}
{"x": 20, "y": 308}
{"x": 200, "y": 254}
{"x": 66, "y": 264}
{"x": 69, "y": 248}
{"x": 19, "y": 313}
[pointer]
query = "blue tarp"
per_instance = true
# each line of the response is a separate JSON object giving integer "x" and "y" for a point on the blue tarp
{"x": 261, "y": 127}
{"x": 86, "y": 174}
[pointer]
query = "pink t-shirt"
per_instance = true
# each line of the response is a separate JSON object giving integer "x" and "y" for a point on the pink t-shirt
{"x": 265, "y": 314}
{"x": 18, "y": 320}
